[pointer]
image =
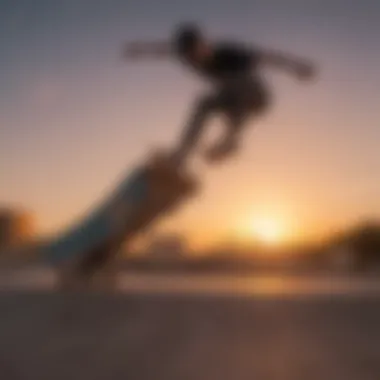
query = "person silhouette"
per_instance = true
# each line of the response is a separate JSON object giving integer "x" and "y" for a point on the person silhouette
{"x": 238, "y": 93}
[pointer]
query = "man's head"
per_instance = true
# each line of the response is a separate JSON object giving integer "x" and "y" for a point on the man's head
{"x": 190, "y": 43}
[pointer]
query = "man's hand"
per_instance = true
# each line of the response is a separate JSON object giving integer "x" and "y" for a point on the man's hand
{"x": 133, "y": 50}
{"x": 305, "y": 71}
{"x": 302, "y": 69}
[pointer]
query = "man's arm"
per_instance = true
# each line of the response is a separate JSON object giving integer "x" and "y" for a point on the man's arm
{"x": 302, "y": 68}
{"x": 141, "y": 50}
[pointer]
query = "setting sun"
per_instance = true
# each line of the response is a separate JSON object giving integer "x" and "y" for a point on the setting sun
{"x": 267, "y": 230}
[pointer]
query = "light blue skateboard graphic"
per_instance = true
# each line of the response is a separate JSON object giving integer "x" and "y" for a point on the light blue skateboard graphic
{"x": 102, "y": 224}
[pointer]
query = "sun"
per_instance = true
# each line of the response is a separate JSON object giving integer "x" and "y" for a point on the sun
{"x": 275, "y": 229}
{"x": 268, "y": 230}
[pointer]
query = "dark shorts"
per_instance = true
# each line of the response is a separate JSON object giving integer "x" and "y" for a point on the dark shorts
{"x": 241, "y": 97}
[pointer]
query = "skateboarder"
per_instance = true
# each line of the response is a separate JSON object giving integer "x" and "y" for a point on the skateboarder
{"x": 233, "y": 69}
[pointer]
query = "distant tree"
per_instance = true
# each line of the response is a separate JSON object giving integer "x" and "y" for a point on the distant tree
{"x": 16, "y": 226}
{"x": 365, "y": 242}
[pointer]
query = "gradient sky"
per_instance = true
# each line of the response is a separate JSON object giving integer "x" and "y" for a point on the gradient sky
{"x": 74, "y": 117}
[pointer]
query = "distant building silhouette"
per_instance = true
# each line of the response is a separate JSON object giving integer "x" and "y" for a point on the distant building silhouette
{"x": 357, "y": 247}
{"x": 167, "y": 247}
{"x": 16, "y": 226}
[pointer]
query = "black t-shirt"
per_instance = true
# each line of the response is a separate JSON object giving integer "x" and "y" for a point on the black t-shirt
{"x": 228, "y": 59}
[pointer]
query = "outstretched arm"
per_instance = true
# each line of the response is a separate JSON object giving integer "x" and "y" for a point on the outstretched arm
{"x": 141, "y": 50}
{"x": 302, "y": 68}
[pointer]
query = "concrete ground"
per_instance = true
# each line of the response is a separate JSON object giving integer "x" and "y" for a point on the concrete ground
{"x": 49, "y": 336}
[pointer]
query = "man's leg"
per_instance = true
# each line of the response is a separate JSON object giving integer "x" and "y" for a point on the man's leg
{"x": 240, "y": 100}
{"x": 230, "y": 141}
{"x": 202, "y": 110}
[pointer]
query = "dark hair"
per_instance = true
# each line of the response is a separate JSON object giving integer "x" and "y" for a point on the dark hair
{"x": 185, "y": 37}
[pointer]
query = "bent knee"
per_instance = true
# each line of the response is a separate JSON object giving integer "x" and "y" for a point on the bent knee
{"x": 205, "y": 104}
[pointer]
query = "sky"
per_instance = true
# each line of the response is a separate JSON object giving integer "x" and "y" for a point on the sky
{"x": 74, "y": 117}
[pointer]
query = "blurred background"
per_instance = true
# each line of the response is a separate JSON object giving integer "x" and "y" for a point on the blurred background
{"x": 297, "y": 212}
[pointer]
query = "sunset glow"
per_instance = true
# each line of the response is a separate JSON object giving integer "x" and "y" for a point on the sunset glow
{"x": 75, "y": 117}
{"x": 268, "y": 230}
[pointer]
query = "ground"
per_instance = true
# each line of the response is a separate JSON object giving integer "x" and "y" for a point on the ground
{"x": 81, "y": 336}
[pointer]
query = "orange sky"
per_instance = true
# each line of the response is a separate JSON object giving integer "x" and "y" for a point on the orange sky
{"x": 73, "y": 117}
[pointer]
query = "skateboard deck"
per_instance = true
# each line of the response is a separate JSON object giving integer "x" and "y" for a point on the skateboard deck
{"x": 148, "y": 193}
